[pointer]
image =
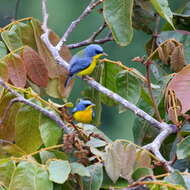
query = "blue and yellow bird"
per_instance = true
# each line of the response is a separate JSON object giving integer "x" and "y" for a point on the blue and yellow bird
{"x": 84, "y": 62}
{"x": 83, "y": 111}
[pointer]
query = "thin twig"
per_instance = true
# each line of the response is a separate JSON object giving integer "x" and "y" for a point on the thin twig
{"x": 148, "y": 63}
{"x": 49, "y": 114}
{"x": 89, "y": 41}
{"x": 86, "y": 12}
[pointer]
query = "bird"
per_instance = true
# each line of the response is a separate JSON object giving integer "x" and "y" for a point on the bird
{"x": 84, "y": 62}
{"x": 83, "y": 112}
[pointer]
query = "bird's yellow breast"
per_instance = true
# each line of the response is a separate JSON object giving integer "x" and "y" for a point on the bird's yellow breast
{"x": 91, "y": 67}
{"x": 84, "y": 116}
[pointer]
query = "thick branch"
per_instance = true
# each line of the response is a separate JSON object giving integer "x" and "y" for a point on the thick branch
{"x": 86, "y": 12}
{"x": 51, "y": 115}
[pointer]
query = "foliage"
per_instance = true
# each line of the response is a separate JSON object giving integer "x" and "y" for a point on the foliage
{"x": 36, "y": 153}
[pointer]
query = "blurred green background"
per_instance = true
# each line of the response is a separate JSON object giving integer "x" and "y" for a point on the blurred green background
{"x": 61, "y": 13}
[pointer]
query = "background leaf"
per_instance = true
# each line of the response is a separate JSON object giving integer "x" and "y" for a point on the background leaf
{"x": 118, "y": 16}
{"x": 183, "y": 148}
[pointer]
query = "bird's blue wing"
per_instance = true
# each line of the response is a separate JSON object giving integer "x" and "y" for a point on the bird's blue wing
{"x": 79, "y": 63}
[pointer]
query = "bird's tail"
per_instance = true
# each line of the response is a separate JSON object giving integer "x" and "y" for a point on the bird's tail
{"x": 68, "y": 80}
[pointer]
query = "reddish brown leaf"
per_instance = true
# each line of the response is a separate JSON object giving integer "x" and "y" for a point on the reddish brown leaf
{"x": 35, "y": 66}
{"x": 16, "y": 70}
{"x": 180, "y": 84}
{"x": 43, "y": 51}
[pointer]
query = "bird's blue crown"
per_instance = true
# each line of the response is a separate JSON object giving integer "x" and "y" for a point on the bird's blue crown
{"x": 93, "y": 50}
{"x": 82, "y": 105}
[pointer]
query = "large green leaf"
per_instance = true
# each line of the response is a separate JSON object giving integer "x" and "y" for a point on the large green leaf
{"x": 30, "y": 176}
{"x": 118, "y": 16}
{"x": 18, "y": 35}
{"x": 6, "y": 169}
{"x": 183, "y": 150}
{"x": 27, "y": 129}
{"x": 163, "y": 9}
{"x": 93, "y": 182}
{"x": 109, "y": 81}
{"x": 141, "y": 172}
{"x": 50, "y": 131}
{"x": 128, "y": 87}
{"x": 59, "y": 171}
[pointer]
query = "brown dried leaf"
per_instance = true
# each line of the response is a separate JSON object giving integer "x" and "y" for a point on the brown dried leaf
{"x": 128, "y": 160}
{"x": 180, "y": 85}
{"x": 169, "y": 47}
{"x": 35, "y": 66}
{"x": 16, "y": 70}
{"x": 112, "y": 162}
{"x": 162, "y": 56}
{"x": 177, "y": 59}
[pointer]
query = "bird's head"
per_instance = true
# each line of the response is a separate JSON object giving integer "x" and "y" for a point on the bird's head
{"x": 94, "y": 50}
{"x": 83, "y": 105}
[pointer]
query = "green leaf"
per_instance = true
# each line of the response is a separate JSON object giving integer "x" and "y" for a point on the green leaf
{"x": 118, "y": 16}
{"x": 53, "y": 154}
{"x": 27, "y": 129}
{"x": 3, "y": 50}
{"x": 30, "y": 176}
{"x": 6, "y": 169}
{"x": 50, "y": 131}
{"x": 163, "y": 9}
{"x": 77, "y": 168}
{"x": 185, "y": 129}
{"x": 183, "y": 150}
{"x": 128, "y": 87}
{"x": 141, "y": 172}
{"x": 109, "y": 81}
{"x": 120, "y": 183}
{"x": 92, "y": 129}
{"x": 95, "y": 142}
{"x": 176, "y": 178}
{"x": 59, "y": 171}
{"x": 18, "y": 35}
{"x": 93, "y": 182}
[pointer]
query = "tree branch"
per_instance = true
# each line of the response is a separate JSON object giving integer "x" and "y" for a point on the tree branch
{"x": 20, "y": 98}
{"x": 86, "y": 12}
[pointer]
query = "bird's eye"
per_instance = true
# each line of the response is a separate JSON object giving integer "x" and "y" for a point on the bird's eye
{"x": 98, "y": 52}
